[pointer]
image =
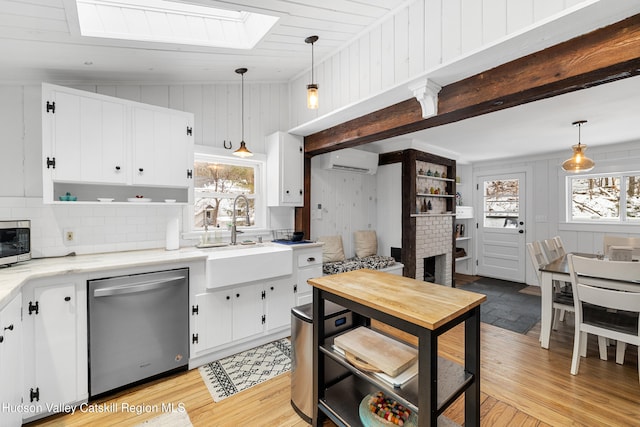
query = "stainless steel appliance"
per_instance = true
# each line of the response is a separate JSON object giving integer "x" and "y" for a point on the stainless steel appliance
{"x": 138, "y": 328}
{"x": 337, "y": 319}
{"x": 15, "y": 241}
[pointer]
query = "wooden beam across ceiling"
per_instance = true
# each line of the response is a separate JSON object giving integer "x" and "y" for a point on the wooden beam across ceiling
{"x": 601, "y": 56}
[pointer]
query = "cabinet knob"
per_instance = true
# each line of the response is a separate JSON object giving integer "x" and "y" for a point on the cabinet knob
{"x": 117, "y": 168}
{"x": 311, "y": 259}
{"x": 228, "y": 297}
{"x": 67, "y": 299}
{"x": 1, "y": 339}
{"x": 140, "y": 170}
{"x": 271, "y": 288}
{"x": 287, "y": 191}
{"x": 237, "y": 295}
{"x": 10, "y": 327}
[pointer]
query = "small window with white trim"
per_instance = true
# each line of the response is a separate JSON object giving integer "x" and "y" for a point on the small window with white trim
{"x": 218, "y": 181}
{"x": 604, "y": 198}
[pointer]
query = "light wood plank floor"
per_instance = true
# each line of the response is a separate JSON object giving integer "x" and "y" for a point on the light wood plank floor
{"x": 522, "y": 385}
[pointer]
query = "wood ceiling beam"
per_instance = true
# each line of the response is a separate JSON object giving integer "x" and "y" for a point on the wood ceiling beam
{"x": 601, "y": 56}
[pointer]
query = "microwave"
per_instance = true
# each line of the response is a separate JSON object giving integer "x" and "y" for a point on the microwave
{"x": 15, "y": 241}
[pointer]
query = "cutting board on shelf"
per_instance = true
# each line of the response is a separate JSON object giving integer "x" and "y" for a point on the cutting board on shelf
{"x": 388, "y": 355}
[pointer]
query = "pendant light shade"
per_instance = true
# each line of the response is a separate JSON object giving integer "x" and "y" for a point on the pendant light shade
{"x": 243, "y": 151}
{"x": 312, "y": 88}
{"x": 578, "y": 162}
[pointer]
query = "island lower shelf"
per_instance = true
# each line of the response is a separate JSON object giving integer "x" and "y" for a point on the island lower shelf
{"x": 342, "y": 403}
{"x": 452, "y": 381}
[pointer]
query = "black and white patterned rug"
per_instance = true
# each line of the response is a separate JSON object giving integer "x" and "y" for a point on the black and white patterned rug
{"x": 228, "y": 376}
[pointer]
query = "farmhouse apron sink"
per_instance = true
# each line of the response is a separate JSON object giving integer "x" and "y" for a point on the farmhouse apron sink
{"x": 232, "y": 265}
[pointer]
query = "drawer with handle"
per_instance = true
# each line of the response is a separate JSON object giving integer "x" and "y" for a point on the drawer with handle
{"x": 310, "y": 258}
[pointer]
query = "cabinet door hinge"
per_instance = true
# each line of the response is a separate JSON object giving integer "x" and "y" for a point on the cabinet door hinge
{"x": 189, "y": 130}
{"x": 51, "y": 162}
{"x": 51, "y": 107}
{"x": 189, "y": 173}
{"x": 34, "y": 394}
{"x": 33, "y": 307}
{"x": 264, "y": 294}
{"x": 264, "y": 319}
{"x": 295, "y": 288}
{"x": 194, "y": 338}
{"x": 194, "y": 309}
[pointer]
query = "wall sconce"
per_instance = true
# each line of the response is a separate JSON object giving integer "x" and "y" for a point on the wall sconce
{"x": 578, "y": 162}
{"x": 312, "y": 89}
{"x": 243, "y": 151}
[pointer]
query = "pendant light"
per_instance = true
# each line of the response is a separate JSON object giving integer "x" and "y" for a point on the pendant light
{"x": 243, "y": 151}
{"x": 578, "y": 162}
{"x": 312, "y": 89}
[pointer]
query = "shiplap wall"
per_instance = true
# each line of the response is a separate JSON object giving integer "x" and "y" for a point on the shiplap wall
{"x": 421, "y": 36}
{"x": 547, "y": 203}
{"x": 104, "y": 229}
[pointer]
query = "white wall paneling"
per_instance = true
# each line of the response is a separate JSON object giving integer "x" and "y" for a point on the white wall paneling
{"x": 546, "y": 203}
{"x": 422, "y": 36}
{"x": 12, "y": 178}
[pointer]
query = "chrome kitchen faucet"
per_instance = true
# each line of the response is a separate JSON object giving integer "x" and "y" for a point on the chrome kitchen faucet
{"x": 234, "y": 231}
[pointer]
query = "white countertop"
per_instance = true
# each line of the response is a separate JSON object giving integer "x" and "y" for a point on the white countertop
{"x": 12, "y": 278}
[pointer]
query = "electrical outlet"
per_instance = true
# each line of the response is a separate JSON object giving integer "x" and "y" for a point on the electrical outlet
{"x": 68, "y": 235}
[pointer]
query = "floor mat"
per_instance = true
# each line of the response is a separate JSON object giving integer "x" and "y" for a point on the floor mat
{"x": 506, "y": 306}
{"x": 228, "y": 376}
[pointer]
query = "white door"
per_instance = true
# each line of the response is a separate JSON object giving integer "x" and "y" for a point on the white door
{"x": 501, "y": 226}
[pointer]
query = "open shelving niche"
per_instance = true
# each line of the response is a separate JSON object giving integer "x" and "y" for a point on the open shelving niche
{"x": 434, "y": 190}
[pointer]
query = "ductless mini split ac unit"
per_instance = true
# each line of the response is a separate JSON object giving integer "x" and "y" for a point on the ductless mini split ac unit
{"x": 350, "y": 160}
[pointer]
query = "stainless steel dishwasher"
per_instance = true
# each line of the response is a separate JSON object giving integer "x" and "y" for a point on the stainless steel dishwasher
{"x": 138, "y": 328}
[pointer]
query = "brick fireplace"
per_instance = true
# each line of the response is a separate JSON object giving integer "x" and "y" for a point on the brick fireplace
{"x": 433, "y": 239}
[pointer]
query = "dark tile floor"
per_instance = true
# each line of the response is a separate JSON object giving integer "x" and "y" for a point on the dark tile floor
{"x": 506, "y": 306}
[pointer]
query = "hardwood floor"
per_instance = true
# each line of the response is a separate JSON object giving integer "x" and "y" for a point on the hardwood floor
{"x": 522, "y": 385}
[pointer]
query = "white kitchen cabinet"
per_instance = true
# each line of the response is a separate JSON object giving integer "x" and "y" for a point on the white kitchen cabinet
{"x": 307, "y": 264}
{"x": 247, "y": 311}
{"x": 55, "y": 345}
{"x": 285, "y": 170}
{"x": 97, "y": 146}
{"x": 11, "y": 363}
{"x": 161, "y": 142}
{"x": 84, "y": 137}
{"x": 228, "y": 315}
{"x": 279, "y": 298}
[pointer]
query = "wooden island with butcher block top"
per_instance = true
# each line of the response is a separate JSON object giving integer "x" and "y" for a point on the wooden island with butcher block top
{"x": 421, "y": 309}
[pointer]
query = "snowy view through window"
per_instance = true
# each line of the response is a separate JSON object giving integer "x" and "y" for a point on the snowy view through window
{"x": 501, "y": 203}
{"x": 600, "y": 198}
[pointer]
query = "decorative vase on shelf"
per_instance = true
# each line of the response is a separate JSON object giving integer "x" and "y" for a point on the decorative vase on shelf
{"x": 429, "y": 206}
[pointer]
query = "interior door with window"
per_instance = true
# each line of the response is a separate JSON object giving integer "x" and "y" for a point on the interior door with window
{"x": 501, "y": 226}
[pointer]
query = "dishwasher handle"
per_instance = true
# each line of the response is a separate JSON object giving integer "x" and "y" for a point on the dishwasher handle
{"x": 133, "y": 288}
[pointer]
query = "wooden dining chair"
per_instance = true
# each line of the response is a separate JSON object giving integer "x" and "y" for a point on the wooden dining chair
{"x": 559, "y": 246}
{"x": 633, "y": 242}
{"x": 562, "y": 301}
{"x": 606, "y": 301}
{"x": 551, "y": 249}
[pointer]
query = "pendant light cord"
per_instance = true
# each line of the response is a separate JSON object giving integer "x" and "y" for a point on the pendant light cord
{"x": 242, "y": 105}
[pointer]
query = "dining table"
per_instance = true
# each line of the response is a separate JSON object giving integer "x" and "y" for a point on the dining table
{"x": 558, "y": 269}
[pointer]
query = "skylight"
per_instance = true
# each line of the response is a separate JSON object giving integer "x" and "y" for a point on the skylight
{"x": 172, "y": 22}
